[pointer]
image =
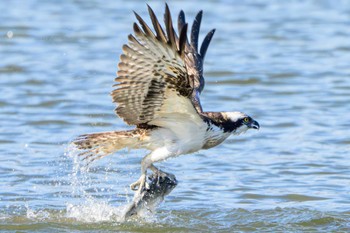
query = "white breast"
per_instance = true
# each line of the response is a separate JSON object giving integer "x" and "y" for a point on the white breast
{"x": 180, "y": 134}
{"x": 214, "y": 137}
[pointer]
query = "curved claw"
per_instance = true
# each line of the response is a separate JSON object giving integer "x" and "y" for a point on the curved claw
{"x": 166, "y": 174}
{"x": 139, "y": 185}
{"x": 134, "y": 186}
{"x": 161, "y": 173}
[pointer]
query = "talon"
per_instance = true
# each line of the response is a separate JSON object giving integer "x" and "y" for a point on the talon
{"x": 134, "y": 186}
{"x": 140, "y": 184}
{"x": 164, "y": 174}
{"x": 161, "y": 176}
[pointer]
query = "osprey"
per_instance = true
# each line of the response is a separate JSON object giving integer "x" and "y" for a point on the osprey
{"x": 159, "y": 80}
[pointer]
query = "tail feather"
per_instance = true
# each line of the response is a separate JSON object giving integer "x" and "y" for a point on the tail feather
{"x": 98, "y": 145}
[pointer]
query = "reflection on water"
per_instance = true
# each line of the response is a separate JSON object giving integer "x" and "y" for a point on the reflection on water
{"x": 284, "y": 63}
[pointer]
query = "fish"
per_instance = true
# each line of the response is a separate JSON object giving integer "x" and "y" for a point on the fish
{"x": 147, "y": 200}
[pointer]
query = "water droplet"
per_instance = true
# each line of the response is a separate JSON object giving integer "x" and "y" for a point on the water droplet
{"x": 9, "y": 34}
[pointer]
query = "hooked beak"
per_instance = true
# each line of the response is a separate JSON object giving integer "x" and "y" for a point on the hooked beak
{"x": 254, "y": 125}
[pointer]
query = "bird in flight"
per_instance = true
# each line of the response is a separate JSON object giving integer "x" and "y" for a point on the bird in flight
{"x": 159, "y": 80}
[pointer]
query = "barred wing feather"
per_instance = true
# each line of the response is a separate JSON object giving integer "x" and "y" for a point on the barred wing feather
{"x": 160, "y": 74}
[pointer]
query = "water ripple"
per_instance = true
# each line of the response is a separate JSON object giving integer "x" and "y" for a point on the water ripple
{"x": 284, "y": 63}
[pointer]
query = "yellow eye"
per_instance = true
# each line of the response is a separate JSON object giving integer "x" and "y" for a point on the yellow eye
{"x": 246, "y": 119}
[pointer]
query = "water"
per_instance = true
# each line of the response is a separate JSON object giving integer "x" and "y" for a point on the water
{"x": 284, "y": 63}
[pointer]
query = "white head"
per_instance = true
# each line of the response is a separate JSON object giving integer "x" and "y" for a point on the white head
{"x": 239, "y": 122}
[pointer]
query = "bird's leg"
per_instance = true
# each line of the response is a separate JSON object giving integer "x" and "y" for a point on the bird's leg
{"x": 147, "y": 162}
{"x": 140, "y": 184}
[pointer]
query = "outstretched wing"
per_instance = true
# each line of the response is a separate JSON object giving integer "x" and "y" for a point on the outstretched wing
{"x": 160, "y": 73}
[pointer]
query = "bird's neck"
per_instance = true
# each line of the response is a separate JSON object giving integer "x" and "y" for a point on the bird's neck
{"x": 216, "y": 131}
{"x": 219, "y": 119}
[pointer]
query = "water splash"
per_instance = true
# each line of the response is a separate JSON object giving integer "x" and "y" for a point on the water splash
{"x": 94, "y": 211}
{"x": 38, "y": 215}
{"x": 85, "y": 186}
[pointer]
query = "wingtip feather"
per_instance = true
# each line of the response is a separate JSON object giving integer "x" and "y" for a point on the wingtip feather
{"x": 195, "y": 30}
{"x": 206, "y": 42}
